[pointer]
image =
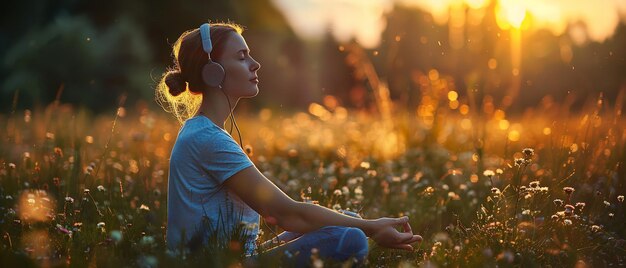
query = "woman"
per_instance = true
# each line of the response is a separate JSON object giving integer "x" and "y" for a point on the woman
{"x": 213, "y": 186}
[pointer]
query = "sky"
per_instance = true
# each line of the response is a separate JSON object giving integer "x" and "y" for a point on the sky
{"x": 364, "y": 19}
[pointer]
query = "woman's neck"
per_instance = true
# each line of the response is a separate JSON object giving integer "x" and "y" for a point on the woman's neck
{"x": 215, "y": 107}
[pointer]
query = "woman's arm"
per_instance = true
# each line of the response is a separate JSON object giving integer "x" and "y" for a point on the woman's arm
{"x": 278, "y": 208}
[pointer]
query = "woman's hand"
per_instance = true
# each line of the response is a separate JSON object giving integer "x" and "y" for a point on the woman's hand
{"x": 385, "y": 234}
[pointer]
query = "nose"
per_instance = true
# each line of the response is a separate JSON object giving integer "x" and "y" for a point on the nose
{"x": 255, "y": 65}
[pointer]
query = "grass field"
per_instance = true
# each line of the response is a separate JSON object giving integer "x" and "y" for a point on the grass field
{"x": 544, "y": 188}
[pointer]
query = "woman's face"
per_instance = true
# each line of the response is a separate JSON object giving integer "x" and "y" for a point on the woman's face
{"x": 241, "y": 80}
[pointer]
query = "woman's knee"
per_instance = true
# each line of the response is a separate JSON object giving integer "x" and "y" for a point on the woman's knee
{"x": 353, "y": 243}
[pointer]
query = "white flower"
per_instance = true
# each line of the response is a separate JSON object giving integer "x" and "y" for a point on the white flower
{"x": 345, "y": 190}
{"x": 69, "y": 199}
{"x": 100, "y": 188}
{"x": 101, "y": 225}
{"x": 595, "y": 228}
{"x": 489, "y": 173}
{"x": 144, "y": 207}
{"x": 358, "y": 190}
{"x": 567, "y": 222}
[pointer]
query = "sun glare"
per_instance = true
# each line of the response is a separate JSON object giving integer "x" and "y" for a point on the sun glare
{"x": 510, "y": 13}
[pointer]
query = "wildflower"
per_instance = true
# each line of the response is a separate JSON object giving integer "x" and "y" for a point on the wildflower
{"x": 620, "y": 198}
{"x": 488, "y": 173}
{"x": 69, "y": 199}
{"x": 11, "y": 166}
{"x": 554, "y": 217}
{"x": 86, "y": 191}
{"x": 100, "y": 224}
{"x": 611, "y": 215}
{"x": 558, "y": 202}
{"x": 522, "y": 188}
{"x": 337, "y": 192}
{"x": 249, "y": 150}
{"x": 561, "y": 213}
{"x": 528, "y": 152}
{"x": 499, "y": 171}
{"x": 568, "y": 190}
{"x": 567, "y": 222}
{"x": 595, "y": 228}
{"x": 569, "y": 209}
{"x": 100, "y": 188}
{"x": 358, "y": 190}
{"x": 528, "y": 196}
{"x": 495, "y": 190}
{"x": 534, "y": 184}
{"x": 116, "y": 236}
{"x": 519, "y": 162}
{"x": 147, "y": 240}
{"x": 526, "y": 212}
{"x": 581, "y": 205}
{"x": 606, "y": 203}
{"x": 345, "y": 190}
{"x": 62, "y": 230}
{"x": 144, "y": 207}
{"x": 58, "y": 151}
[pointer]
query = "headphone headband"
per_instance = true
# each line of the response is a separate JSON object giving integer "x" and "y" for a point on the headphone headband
{"x": 205, "y": 35}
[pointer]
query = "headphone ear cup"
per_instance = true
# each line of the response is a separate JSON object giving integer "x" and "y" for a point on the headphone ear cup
{"x": 213, "y": 74}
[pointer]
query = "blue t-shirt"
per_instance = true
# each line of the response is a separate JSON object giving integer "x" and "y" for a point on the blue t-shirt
{"x": 204, "y": 156}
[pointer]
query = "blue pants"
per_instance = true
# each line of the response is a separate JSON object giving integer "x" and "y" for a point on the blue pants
{"x": 332, "y": 242}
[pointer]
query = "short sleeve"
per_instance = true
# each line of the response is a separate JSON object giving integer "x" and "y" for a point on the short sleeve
{"x": 221, "y": 157}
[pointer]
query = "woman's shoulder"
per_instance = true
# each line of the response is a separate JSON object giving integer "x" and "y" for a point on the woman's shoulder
{"x": 205, "y": 134}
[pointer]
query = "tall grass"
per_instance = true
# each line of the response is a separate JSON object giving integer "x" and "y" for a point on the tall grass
{"x": 79, "y": 189}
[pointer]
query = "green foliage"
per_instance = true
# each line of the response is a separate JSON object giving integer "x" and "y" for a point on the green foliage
{"x": 92, "y": 66}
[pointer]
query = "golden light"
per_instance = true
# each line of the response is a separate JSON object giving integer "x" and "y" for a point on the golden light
{"x": 453, "y": 104}
{"x": 499, "y": 114}
{"x": 466, "y": 124}
{"x": 514, "y": 135}
{"x": 474, "y": 178}
{"x": 433, "y": 75}
{"x": 36, "y": 206}
{"x": 452, "y": 95}
{"x": 464, "y": 109}
{"x": 492, "y": 63}
{"x": 547, "y": 131}
{"x": 503, "y": 124}
{"x": 476, "y": 4}
{"x": 265, "y": 114}
{"x": 319, "y": 111}
{"x": 510, "y": 13}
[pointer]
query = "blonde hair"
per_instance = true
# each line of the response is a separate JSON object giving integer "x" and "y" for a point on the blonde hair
{"x": 180, "y": 89}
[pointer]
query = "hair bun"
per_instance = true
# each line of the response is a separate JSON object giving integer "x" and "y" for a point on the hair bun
{"x": 175, "y": 82}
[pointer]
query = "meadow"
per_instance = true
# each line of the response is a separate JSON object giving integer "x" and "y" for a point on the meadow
{"x": 540, "y": 188}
